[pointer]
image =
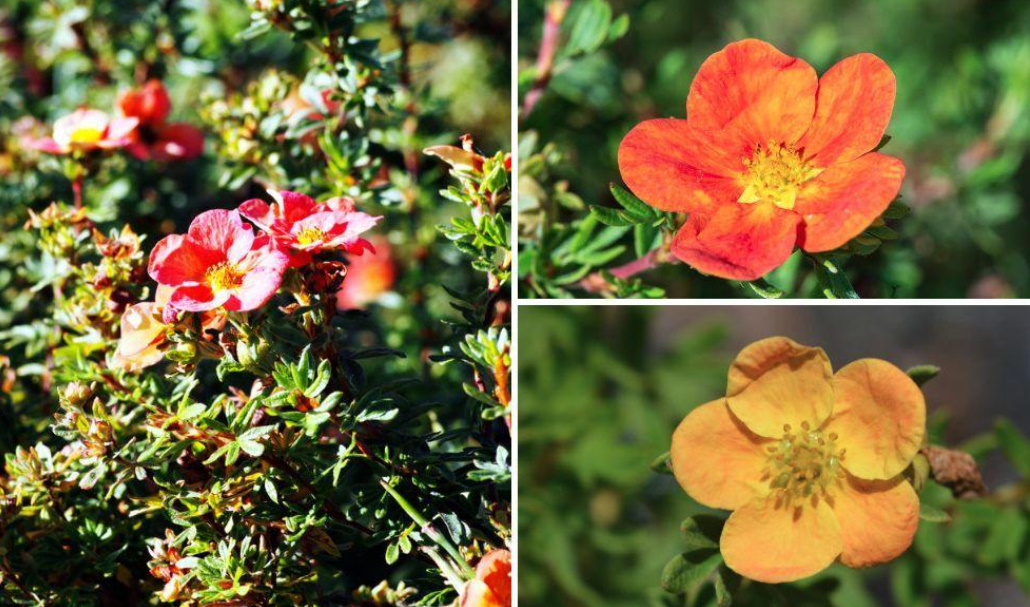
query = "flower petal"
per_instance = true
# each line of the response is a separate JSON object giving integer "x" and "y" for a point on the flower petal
{"x": 770, "y": 541}
{"x": 717, "y": 460}
{"x": 776, "y": 381}
{"x": 258, "y": 211}
{"x": 178, "y": 141}
{"x": 763, "y": 93}
{"x": 119, "y": 132}
{"x": 263, "y": 276}
{"x": 737, "y": 241}
{"x": 672, "y": 167}
{"x": 174, "y": 261}
{"x": 197, "y": 298}
{"x": 844, "y": 199}
{"x": 141, "y": 329}
{"x": 296, "y": 206}
{"x": 879, "y": 413}
{"x": 853, "y": 107}
{"x": 222, "y": 231}
{"x": 878, "y": 520}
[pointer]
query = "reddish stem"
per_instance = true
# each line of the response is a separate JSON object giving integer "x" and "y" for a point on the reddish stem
{"x": 553, "y": 17}
{"x": 596, "y": 283}
{"x": 77, "y": 191}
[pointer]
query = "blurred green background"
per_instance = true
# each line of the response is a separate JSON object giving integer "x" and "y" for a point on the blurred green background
{"x": 961, "y": 122}
{"x": 601, "y": 390}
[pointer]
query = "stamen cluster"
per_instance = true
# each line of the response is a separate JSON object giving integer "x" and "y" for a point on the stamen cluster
{"x": 804, "y": 464}
{"x": 774, "y": 174}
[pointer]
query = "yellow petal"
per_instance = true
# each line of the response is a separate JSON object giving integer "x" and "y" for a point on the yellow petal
{"x": 878, "y": 520}
{"x": 776, "y": 381}
{"x": 716, "y": 460}
{"x": 770, "y": 541}
{"x": 880, "y": 416}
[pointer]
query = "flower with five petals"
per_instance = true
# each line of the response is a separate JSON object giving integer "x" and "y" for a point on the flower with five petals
{"x": 219, "y": 262}
{"x": 770, "y": 157}
{"x": 809, "y": 461}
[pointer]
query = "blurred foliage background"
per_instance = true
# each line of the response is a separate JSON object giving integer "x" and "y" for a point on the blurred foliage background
{"x": 601, "y": 390}
{"x": 961, "y": 123}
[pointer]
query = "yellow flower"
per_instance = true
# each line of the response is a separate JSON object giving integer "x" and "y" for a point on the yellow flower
{"x": 809, "y": 461}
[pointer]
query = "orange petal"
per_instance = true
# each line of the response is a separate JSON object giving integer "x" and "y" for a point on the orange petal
{"x": 776, "y": 381}
{"x": 880, "y": 416}
{"x": 763, "y": 93}
{"x": 716, "y": 460}
{"x": 878, "y": 520}
{"x": 853, "y": 107}
{"x": 772, "y": 542}
{"x": 844, "y": 199}
{"x": 675, "y": 168}
{"x": 737, "y": 241}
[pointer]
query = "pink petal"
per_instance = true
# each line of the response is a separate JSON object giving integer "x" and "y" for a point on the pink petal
{"x": 46, "y": 144}
{"x": 198, "y": 298}
{"x": 175, "y": 261}
{"x": 222, "y": 231}
{"x": 263, "y": 276}
{"x": 296, "y": 206}
{"x": 258, "y": 211}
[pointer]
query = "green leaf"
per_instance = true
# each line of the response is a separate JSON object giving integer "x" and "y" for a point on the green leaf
{"x": 761, "y": 289}
{"x": 923, "y": 373}
{"x": 589, "y": 27}
{"x": 610, "y": 217}
{"x": 661, "y": 464}
{"x": 687, "y": 571}
{"x": 702, "y": 531}
{"x": 392, "y": 553}
{"x": 619, "y": 28}
{"x": 251, "y": 447}
{"x": 1015, "y": 445}
{"x": 636, "y": 209}
{"x": 833, "y": 280}
{"x": 1004, "y": 538}
{"x": 931, "y": 514}
{"x": 726, "y": 584}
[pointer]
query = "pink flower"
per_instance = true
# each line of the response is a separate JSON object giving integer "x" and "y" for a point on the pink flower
{"x": 86, "y": 130}
{"x": 154, "y": 138}
{"x": 218, "y": 263}
{"x": 302, "y": 226}
{"x": 368, "y": 277}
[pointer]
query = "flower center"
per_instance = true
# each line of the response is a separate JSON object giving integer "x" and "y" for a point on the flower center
{"x": 774, "y": 174}
{"x": 224, "y": 277}
{"x": 310, "y": 236}
{"x": 87, "y": 135}
{"x": 804, "y": 464}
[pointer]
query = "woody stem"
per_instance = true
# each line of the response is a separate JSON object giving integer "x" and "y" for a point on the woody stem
{"x": 553, "y": 17}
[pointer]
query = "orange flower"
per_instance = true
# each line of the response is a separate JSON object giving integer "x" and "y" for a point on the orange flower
{"x": 368, "y": 276}
{"x": 769, "y": 157}
{"x": 492, "y": 584}
{"x": 809, "y": 461}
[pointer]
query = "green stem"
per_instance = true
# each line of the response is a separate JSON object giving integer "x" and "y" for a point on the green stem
{"x": 429, "y": 529}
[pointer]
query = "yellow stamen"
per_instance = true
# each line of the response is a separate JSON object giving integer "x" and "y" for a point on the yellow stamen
{"x": 224, "y": 277}
{"x": 86, "y": 135}
{"x": 775, "y": 173}
{"x": 310, "y": 236}
{"x": 804, "y": 465}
